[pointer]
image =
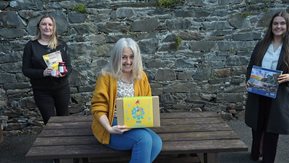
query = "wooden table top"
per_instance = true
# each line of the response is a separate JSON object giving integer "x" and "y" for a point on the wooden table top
{"x": 181, "y": 132}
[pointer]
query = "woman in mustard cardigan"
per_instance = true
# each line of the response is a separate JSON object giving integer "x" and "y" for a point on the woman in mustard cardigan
{"x": 123, "y": 76}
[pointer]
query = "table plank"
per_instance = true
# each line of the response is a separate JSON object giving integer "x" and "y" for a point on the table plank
{"x": 164, "y": 122}
{"x": 78, "y": 129}
{"x": 180, "y": 115}
{"x": 82, "y": 140}
{"x": 206, "y": 146}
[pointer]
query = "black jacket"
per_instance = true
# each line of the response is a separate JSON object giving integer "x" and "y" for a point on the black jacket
{"x": 278, "y": 121}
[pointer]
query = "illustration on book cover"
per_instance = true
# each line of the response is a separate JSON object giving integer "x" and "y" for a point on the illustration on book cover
{"x": 138, "y": 112}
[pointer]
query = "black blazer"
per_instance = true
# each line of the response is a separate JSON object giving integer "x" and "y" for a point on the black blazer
{"x": 278, "y": 121}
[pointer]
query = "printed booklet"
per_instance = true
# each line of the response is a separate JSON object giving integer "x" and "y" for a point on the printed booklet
{"x": 52, "y": 59}
{"x": 263, "y": 81}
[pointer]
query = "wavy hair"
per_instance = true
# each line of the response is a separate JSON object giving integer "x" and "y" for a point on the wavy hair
{"x": 115, "y": 62}
{"x": 53, "y": 42}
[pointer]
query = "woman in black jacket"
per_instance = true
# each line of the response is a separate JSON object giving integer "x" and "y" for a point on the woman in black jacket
{"x": 50, "y": 88}
{"x": 266, "y": 116}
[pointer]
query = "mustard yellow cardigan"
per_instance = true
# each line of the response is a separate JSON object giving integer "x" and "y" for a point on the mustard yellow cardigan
{"x": 104, "y": 98}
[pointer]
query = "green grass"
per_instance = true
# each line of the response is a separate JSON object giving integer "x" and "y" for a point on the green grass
{"x": 168, "y": 3}
{"x": 79, "y": 8}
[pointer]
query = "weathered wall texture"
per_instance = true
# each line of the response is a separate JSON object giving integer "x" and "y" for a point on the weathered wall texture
{"x": 204, "y": 71}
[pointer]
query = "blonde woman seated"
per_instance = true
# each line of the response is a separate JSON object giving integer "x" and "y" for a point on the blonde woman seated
{"x": 123, "y": 76}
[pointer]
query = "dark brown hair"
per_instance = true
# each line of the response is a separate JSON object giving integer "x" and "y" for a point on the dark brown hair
{"x": 266, "y": 41}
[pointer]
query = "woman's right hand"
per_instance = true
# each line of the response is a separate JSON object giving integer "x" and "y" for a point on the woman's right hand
{"x": 117, "y": 129}
{"x": 47, "y": 72}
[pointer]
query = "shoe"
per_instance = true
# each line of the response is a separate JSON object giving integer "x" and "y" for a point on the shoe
{"x": 254, "y": 157}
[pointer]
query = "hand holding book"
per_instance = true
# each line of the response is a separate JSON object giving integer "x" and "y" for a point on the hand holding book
{"x": 283, "y": 78}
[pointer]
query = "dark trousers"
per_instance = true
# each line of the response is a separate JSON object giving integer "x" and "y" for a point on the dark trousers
{"x": 52, "y": 102}
{"x": 263, "y": 141}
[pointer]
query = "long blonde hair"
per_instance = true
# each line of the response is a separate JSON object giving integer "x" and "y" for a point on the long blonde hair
{"x": 53, "y": 42}
{"x": 115, "y": 62}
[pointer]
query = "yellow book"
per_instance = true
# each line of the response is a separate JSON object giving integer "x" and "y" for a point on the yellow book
{"x": 138, "y": 112}
{"x": 52, "y": 59}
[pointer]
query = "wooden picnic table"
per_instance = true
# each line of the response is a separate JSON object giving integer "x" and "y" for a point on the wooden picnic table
{"x": 203, "y": 133}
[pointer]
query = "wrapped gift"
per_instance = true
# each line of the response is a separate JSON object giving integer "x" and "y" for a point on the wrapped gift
{"x": 138, "y": 112}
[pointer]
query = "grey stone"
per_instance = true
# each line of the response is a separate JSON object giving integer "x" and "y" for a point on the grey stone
{"x": 217, "y": 25}
{"x": 239, "y": 21}
{"x": 11, "y": 67}
{"x": 8, "y": 57}
{"x": 165, "y": 75}
{"x": 17, "y": 85}
{"x": 76, "y": 17}
{"x": 125, "y": 12}
{"x": 246, "y": 36}
{"x": 113, "y": 26}
{"x": 3, "y": 5}
{"x": 181, "y": 88}
{"x": 191, "y": 35}
{"x": 84, "y": 29}
{"x": 7, "y": 78}
{"x": 184, "y": 75}
{"x": 10, "y": 19}
{"x": 203, "y": 46}
{"x": 155, "y": 63}
{"x": 27, "y": 4}
{"x": 225, "y": 2}
{"x": 12, "y": 33}
{"x": 174, "y": 24}
{"x": 145, "y": 25}
{"x": 181, "y": 63}
{"x": 148, "y": 46}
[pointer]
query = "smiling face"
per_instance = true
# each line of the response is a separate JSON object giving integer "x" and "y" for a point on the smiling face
{"x": 127, "y": 60}
{"x": 46, "y": 27}
{"x": 279, "y": 26}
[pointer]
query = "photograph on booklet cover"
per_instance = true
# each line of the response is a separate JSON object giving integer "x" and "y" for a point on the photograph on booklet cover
{"x": 263, "y": 81}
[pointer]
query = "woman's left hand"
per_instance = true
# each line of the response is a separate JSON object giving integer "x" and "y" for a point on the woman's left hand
{"x": 283, "y": 78}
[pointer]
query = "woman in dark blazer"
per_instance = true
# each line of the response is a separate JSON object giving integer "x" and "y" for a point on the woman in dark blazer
{"x": 266, "y": 116}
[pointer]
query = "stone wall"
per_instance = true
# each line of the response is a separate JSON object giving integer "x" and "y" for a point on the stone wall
{"x": 194, "y": 53}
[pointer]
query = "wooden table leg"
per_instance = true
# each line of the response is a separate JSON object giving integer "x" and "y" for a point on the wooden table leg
{"x": 208, "y": 157}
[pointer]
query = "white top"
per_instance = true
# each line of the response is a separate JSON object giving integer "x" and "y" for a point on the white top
{"x": 271, "y": 57}
{"x": 124, "y": 90}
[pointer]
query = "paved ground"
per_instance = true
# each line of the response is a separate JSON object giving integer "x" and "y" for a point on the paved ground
{"x": 13, "y": 149}
{"x": 245, "y": 134}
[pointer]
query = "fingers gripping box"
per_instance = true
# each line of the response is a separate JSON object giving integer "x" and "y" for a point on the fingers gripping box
{"x": 138, "y": 112}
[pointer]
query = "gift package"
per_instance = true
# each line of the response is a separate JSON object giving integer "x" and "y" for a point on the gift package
{"x": 138, "y": 112}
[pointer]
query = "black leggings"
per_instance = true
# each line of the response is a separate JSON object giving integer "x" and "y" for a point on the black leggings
{"x": 52, "y": 102}
{"x": 262, "y": 140}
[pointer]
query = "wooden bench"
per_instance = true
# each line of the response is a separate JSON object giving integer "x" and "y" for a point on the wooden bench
{"x": 202, "y": 133}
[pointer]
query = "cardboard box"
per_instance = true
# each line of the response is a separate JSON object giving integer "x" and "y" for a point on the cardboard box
{"x": 138, "y": 112}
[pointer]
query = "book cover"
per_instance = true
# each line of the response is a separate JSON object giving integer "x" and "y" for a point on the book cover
{"x": 52, "y": 59}
{"x": 138, "y": 112}
{"x": 263, "y": 81}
